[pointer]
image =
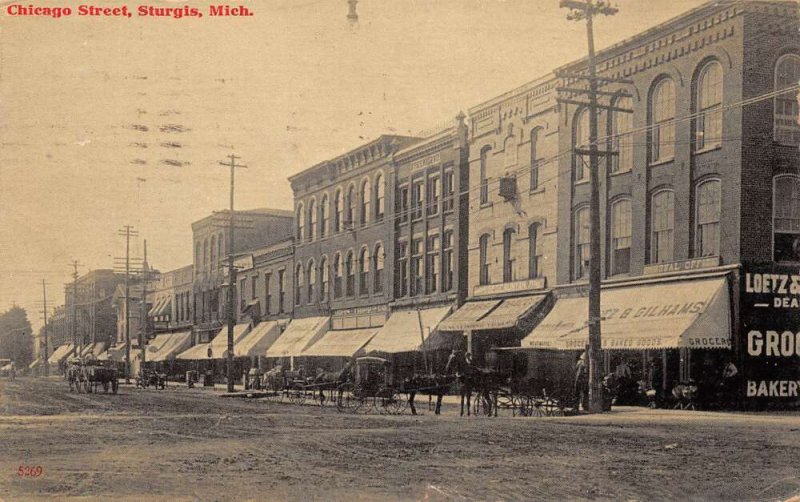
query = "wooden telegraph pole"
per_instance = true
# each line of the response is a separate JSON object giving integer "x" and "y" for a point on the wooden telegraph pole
{"x": 127, "y": 231}
{"x": 587, "y": 10}
{"x": 46, "y": 355}
{"x": 231, "y": 274}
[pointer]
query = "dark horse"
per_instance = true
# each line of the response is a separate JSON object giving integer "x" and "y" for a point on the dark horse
{"x": 432, "y": 385}
{"x": 333, "y": 380}
{"x": 484, "y": 382}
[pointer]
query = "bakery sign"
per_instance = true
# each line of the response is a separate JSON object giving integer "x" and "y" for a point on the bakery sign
{"x": 770, "y": 335}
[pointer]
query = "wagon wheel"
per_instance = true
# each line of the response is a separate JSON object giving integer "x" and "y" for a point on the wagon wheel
{"x": 392, "y": 405}
{"x": 105, "y": 386}
{"x": 114, "y": 386}
{"x": 297, "y": 395}
{"x": 552, "y": 408}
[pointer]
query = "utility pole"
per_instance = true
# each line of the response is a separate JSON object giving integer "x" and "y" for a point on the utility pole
{"x": 231, "y": 274}
{"x": 143, "y": 309}
{"x": 127, "y": 231}
{"x": 74, "y": 322}
{"x": 46, "y": 355}
{"x": 587, "y": 10}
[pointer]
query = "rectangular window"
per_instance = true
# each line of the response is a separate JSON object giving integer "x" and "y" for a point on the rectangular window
{"x": 708, "y": 216}
{"x": 448, "y": 189}
{"x": 281, "y": 291}
{"x": 432, "y": 265}
{"x": 621, "y": 237}
{"x": 622, "y": 143}
{"x": 581, "y": 238}
{"x": 254, "y": 287}
{"x": 402, "y": 269}
{"x": 417, "y": 272}
{"x": 483, "y": 259}
{"x": 401, "y": 204}
{"x": 267, "y": 294}
{"x": 447, "y": 272}
{"x": 662, "y": 223}
{"x": 417, "y": 198}
{"x": 434, "y": 190}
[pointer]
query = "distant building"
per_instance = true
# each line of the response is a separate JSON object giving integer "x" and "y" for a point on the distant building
{"x": 254, "y": 228}
{"x": 95, "y": 319}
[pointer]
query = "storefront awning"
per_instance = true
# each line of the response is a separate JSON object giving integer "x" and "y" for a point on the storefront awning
{"x": 401, "y": 333}
{"x": 341, "y": 343}
{"x": 197, "y": 353}
{"x": 692, "y": 314}
{"x": 173, "y": 343}
{"x": 157, "y": 305}
{"x": 495, "y": 314}
{"x": 61, "y": 353}
{"x": 165, "y": 308}
{"x": 35, "y": 364}
{"x": 469, "y": 314}
{"x": 298, "y": 336}
{"x": 219, "y": 345}
{"x": 258, "y": 340}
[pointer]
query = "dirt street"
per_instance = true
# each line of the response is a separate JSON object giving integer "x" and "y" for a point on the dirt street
{"x": 181, "y": 444}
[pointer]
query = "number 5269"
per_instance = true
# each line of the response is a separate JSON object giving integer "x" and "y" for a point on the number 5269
{"x": 32, "y": 471}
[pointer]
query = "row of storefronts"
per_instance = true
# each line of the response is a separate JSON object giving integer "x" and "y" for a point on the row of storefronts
{"x": 474, "y": 238}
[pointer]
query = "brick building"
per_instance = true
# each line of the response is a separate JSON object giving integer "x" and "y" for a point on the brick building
{"x": 343, "y": 240}
{"x": 92, "y": 308}
{"x": 513, "y": 190}
{"x": 254, "y": 228}
{"x": 700, "y": 191}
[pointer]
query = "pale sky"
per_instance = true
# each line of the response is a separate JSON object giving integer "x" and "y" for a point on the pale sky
{"x": 286, "y": 88}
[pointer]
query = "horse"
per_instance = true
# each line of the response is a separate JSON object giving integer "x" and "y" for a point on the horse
{"x": 329, "y": 379}
{"x": 473, "y": 379}
{"x": 432, "y": 385}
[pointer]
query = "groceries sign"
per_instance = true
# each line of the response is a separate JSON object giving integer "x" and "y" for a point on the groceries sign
{"x": 770, "y": 334}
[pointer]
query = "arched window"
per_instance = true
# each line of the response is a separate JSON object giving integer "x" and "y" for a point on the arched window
{"x": 298, "y": 284}
{"x": 380, "y": 197}
{"x": 708, "y": 201}
{"x": 534, "y": 158}
{"x": 206, "y": 263}
{"x": 708, "y": 124}
{"x": 312, "y": 220}
{"x": 311, "y": 271}
{"x": 580, "y": 238}
{"x": 324, "y": 217}
{"x": 379, "y": 265}
{"x": 366, "y": 201}
{"x": 622, "y": 143}
{"x": 350, "y": 271}
{"x": 214, "y": 264}
{"x": 662, "y": 115}
{"x": 483, "y": 259}
{"x": 198, "y": 255}
{"x": 338, "y": 271}
{"x": 581, "y": 135}
{"x": 484, "y": 181}
{"x": 510, "y": 149}
{"x": 338, "y": 204}
{"x": 621, "y": 237}
{"x": 301, "y": 223}
{"x": 363, "y": 272}
{"x": 534, "y": 257}
{"x": 508, "y": 255}
{"x": 351, "y": 207}
{"x": 662, "y": 224}
{"x": 324, "y": 288}
{"x": 787, "y": 74}
{"x": 786, "y": 218}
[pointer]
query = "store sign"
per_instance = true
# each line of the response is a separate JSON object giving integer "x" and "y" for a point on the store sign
{"x": 510, "y": 287}
{"x": 770, "y": 335}
{"x": 681, "y": 266}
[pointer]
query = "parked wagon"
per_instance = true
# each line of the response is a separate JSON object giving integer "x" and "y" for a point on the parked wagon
{"x": 146, "y": 379}
{"x": 89, "y": 375}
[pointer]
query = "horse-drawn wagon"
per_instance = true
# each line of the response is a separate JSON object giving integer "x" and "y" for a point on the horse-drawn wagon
{"x": 90, "y": 374}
